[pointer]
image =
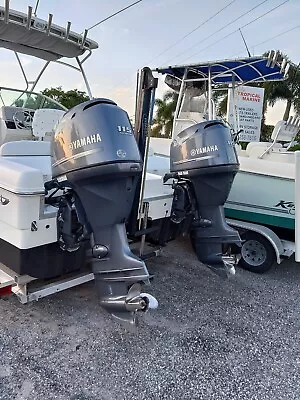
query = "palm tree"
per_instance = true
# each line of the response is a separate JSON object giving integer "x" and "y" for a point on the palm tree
{"x": 164, "y": 115}
{"x": 220, "y": 98}
{"x": 288, "y": 90}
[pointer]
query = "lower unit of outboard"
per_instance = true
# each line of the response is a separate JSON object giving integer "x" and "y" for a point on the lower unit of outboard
{"x": 97, "y": 163}
{"x": 204, "y": 161}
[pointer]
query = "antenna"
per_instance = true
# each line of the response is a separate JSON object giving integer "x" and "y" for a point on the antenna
{"x": 36, "y": 7}
{"x": 249, "y": 54}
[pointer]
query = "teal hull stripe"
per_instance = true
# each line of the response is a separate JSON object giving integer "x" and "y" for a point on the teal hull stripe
{"x": 273, "y": 209}
{"x": 259, "y": 218}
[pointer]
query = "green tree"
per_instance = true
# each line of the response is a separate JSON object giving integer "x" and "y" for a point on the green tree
{"x": 68, "y": 99}
{"x": 287, "y": 90}
{"x": 163, "y": 120}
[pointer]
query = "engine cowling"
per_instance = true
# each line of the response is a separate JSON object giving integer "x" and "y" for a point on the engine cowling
{"x": 204, "y": 157}
{"x": 96, "y": 132}
{"x": 96, "y": 155}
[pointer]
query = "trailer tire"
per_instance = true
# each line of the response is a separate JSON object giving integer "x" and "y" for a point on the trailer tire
{"x": 257, "y": 253}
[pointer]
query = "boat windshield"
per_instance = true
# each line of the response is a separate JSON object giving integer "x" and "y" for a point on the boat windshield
{"x": 24, "y": 99}
{"x": 194, "y": 104}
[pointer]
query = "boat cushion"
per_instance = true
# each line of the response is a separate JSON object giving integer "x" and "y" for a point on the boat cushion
{"x": 26, "y": 148}
{"x": 20, "y": 179}
{"x": 256, "y": 149}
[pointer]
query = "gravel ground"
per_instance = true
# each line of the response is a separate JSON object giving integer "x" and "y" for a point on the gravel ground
{"x": 209, "y": 339}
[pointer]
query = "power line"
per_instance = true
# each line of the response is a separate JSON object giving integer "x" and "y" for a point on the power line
{"x": 192, "y": 31}
{"x": 274, "y": 37}
{"x": 219, "y": 30}
{"x": 244, "y": 26}
{"x": 189, "y": 33}
{"x": 116, "y": 13}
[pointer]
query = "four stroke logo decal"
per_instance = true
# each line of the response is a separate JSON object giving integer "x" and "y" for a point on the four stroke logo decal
{"x": 3, "y": 201}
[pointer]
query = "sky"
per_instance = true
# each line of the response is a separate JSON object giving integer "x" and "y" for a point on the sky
{"x": 149, "y": 34}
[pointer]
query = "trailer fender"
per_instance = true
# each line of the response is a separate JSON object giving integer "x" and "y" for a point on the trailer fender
{"x": 264, "y": 231}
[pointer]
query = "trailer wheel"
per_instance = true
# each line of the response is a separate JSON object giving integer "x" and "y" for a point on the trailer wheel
{"x": 257, "y": 253}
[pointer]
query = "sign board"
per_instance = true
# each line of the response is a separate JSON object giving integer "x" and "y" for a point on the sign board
{"x": 244, "y": 111}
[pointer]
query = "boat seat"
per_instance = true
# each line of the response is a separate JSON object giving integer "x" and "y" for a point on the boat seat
{"x": 286, "y": 131}
{"x": 35, "y": 153}
{"x": 25, "y": 148}
{"x": 44, "y": 122}
{"x": 9, "y": 130}
{"x": 277, "y": 153}
{"x": 256, "y": 149}
{"x": 31, "y": 153}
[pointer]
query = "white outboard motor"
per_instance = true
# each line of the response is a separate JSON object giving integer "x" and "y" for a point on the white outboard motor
{"x": 97, "y": 164}
{"x": 204, "y": 161}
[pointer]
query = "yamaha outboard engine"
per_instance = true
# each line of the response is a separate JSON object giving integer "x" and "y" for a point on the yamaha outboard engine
{"x": 97, "y": 163}
{"x": 204, "y": 160}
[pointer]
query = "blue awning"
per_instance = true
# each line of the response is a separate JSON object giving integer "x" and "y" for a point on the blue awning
{"x": 250, "y": 69}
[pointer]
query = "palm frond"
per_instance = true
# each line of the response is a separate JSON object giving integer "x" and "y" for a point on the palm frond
{"x": 222, "y": 107}
{"x": 170, "y": 95}
{"x": 296, "y": 105}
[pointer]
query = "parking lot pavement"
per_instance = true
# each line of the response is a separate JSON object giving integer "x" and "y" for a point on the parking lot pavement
{"x": 209, "y": 339}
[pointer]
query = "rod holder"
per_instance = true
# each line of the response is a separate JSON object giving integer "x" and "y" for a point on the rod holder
{"x": 68, "y": 30}
{"x": 287, "y": 69}
{"x": 275, "y": 59}
{"x": 6, "y": 11}
{"x": 29, "y": 17}
{"x": 49, "y": 23}
{"x": 84, "y": 38}
{"x": 270, "y": 57}
{"x": 283, "y": 65}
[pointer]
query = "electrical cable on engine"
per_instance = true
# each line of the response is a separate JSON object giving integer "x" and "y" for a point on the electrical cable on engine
{"x": 219, "y": 30}
{"x": 237, "y": 30}
{"x": 192, "y": 31}
{"x": 116, "y": 13}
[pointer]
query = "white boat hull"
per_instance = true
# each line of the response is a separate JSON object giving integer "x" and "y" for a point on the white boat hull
{"x": 263, "y": 199}
{"x": 262, "y": 191}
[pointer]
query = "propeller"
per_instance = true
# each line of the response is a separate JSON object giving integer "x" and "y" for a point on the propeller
{"x": 225, "y": 269}
{"x": 125, "y": 308}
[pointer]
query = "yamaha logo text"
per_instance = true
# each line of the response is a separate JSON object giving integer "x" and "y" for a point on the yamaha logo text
{"x": 76, "y": 144}
{"x": 206, "y": 149}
